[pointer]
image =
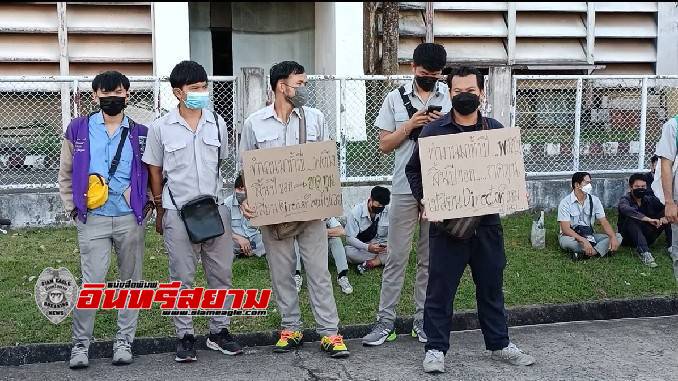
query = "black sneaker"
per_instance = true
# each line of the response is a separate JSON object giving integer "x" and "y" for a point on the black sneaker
{"x": 186, "y": 349}
{"x": 576, "y": 256}
{"x": 223, "y": 342}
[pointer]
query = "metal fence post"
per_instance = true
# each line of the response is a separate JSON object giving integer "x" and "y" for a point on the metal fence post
{"x": 340, "y": 131}
{"x": 643, "y": 124}
{"x": 156, "y": 97}
{"x": 514, "y": 91}
{"x": 76, "y": 98}
{"x": 577, "y": 126}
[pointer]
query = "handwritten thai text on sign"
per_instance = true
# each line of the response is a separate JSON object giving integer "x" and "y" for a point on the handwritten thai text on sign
{"x": 473, "y": 174}
{"x": 296, "y": 183}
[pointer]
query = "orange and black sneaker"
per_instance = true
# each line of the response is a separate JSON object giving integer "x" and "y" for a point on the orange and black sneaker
{"x": 288, "y": 340}
{"x": 334, "y": 345}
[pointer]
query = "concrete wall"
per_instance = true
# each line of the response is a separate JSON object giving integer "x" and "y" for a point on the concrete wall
{"x": 44, "y": 208}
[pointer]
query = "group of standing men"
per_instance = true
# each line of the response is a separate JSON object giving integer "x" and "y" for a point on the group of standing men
{"x": 178, "y": 158}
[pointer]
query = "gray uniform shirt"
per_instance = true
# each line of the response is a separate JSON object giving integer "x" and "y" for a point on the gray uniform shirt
{"x": 188, "y": 159}
{"x": 667, "y": 148}
{"x": 359, "y": 220}
{"x": 264, "y": 129}
{"x": 571, "y": 210}
{"x": 393, "y": 114}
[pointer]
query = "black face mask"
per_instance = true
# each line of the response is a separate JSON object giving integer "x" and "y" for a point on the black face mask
{"x": 465, "y": 103}
{"x": 112, "y": 105}
{"x": 639, "y": 193}
{"x": 426, "y": 83}
{"x": 378, "y": 210}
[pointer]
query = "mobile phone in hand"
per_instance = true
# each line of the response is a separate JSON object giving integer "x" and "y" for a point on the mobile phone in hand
{"x": 432, "y": 108}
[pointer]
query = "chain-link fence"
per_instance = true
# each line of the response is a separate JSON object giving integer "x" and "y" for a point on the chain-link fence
{"x": 591, "y": 123}
{"x": 36, "y": 111}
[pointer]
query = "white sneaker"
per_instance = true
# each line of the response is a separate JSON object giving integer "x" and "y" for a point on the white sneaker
{"x": 346, "y": 287}
{"x": 122, "y": 352}
{"x": 434, "y": 362}
{"x": 513, "y": 355}
{"x": 79, "y": 357}
{"x": 648, "y": 259}
{"x": 299, "y": 281}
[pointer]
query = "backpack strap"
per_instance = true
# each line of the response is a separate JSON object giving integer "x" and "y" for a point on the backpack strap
{"x": 406, "y": 102}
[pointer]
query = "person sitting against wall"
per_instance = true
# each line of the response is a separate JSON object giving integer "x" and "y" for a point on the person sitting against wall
{"x": 367, "y": 230}
{"x": 336, "y": 247}
{"x": 641, "y": 219}
{"x": 577, "y": 214}
{"x": 246, "y": 238}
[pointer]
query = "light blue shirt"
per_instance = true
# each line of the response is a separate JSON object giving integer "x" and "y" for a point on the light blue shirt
{"x": 102, "y": 150}
{"x": 240, "y": 226}
{"x": 570, "y": 210}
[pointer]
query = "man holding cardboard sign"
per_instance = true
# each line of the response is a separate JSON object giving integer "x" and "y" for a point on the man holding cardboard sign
{"x": 467, "y": 180}
{"x": 291, "y": 186}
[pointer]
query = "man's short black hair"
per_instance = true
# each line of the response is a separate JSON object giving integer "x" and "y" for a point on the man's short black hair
{"x": 239, "y": 181}
{"x": 283, "y": 70}
{"x": 381, "y": 195}
{"x": 430, "y": 56}
{"x": 109, "y": 81}
{"x": 654, "y": 159}
{"x": 465, "y": 71}
{"x": 578, "y": 177}
{"x": 187, "y": 73}
{"x": 637, "y": 177}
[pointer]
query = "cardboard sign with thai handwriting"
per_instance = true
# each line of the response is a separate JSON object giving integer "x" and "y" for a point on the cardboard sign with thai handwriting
{"x": 473, "y": 174}
{"x": 295, "y": 183}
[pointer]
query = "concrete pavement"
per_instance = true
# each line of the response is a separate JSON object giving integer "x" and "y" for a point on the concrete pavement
{"x": 625, "y": 349}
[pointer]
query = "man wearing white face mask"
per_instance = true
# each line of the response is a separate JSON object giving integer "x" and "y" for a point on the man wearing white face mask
{"x": 279, "y": 125}
{"x": 577, "y": 214}
{"x": 183, "y": 154}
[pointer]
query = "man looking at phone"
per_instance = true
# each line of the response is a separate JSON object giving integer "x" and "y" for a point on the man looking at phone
{"x": 402, "y": 115}
{"x": 367, "y": 230}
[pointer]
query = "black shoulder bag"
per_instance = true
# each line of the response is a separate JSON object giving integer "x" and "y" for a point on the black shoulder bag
{"x": 201, "y": 214}
{"x": 586, "y": 231}
{"x": 414, "y": 134}
{"x": 465, "y": 227}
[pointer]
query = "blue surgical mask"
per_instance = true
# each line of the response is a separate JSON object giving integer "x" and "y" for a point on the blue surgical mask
{"x": 197, "y": 100}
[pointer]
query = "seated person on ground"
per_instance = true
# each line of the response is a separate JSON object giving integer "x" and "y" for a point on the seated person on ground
{"x": 367, "y": 231}
{"x": 641, "y": 219}
{"x": 246, "y": 238}
{"x": 577, "y": 215}
{"x": 334, "y": 233}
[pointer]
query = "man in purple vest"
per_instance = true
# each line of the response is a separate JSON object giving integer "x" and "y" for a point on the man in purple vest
{"x": 109, "y": 145}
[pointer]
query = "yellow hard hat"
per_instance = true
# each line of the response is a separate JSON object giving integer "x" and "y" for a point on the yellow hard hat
{"x": 97, "y": 191}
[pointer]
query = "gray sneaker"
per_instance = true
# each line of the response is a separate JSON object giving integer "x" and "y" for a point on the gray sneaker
{"x": 513, "y": 355}
{"x": 434, "y": 362}
{"x": 380, "y": 333}
{"x": 418, "y": 331}
{"x": 122, "y": 352}
{"x": 648, "y": 259}
{"x": 79, "y": 357}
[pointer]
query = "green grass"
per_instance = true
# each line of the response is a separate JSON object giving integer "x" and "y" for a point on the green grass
{"x": 531, "y": 276}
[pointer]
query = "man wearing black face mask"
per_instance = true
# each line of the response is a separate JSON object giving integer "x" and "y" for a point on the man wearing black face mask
{"x": 103, "y": 185}
{"x": 484, "y": 252}
{"x": 641, "y": 219}
{"x": 367, "y": 230}
{"x": 399, "y": 125}
{"x": 246, "y": 238}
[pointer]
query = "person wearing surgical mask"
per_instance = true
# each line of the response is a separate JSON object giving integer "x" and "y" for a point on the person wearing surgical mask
{"x": 577, "y": 215}
{"x": 247, "y": 240}
{"x": 641, "y": 219}
{"x": 279, "y": 125}
{"x": 183, "y": 153}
